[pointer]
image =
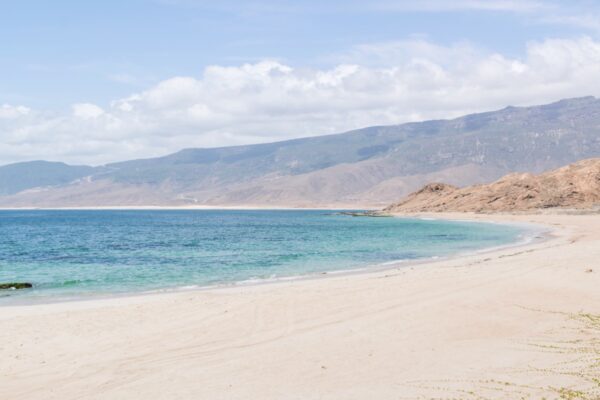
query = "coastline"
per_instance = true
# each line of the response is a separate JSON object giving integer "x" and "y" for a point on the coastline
{"x": 191, "y": 208}
{"x": 531, "y": 233}
{"x": 447, "y": 328}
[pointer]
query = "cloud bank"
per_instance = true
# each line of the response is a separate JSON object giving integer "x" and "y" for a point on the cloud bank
{"x": 375, "y": 84}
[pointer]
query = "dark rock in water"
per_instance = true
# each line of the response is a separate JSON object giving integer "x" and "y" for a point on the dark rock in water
{"x": 16, "y": 285}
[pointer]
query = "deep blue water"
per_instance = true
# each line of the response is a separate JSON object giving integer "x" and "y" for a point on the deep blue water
{"x": 78, "y": 253}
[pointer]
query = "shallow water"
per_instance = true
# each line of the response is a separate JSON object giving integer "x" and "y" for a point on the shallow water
{"x": 79, "y": 253}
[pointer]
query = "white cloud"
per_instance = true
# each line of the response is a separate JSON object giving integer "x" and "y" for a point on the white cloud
{"x": 268, "y": 101}
{"x": 482, "y": 5}
{"x": 589, "y": 21}
{"x": 582, "y": 14}
{"x": 10, "y": 112}
{"x": 253, "y": 7}
{"x": 87, "y": 111}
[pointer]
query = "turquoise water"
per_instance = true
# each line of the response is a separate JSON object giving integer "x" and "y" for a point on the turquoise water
{"x": 78, "y": 253}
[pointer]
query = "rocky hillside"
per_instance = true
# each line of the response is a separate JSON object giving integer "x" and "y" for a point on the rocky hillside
{"x": 371, "y": 166}
{"x": 17, "y": 177}
{"x": 574, "y": 186}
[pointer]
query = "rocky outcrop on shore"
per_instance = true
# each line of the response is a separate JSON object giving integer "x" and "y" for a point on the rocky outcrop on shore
{"x": 575, "y": 186}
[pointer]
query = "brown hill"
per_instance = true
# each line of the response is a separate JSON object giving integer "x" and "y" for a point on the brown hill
{"x": 573, "y": 186}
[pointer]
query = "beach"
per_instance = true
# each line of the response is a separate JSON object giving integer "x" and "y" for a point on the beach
{"x": 509, "y": 323}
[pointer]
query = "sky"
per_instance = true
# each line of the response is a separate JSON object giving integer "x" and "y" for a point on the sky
{"x": 96, "y": 82}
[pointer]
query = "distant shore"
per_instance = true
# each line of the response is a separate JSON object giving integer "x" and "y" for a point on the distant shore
{"x": 482, "y": 323}
{"x": 198, "y": 207}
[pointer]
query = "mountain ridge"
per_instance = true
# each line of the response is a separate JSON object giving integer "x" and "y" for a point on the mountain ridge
{"x": 369, "y": 166}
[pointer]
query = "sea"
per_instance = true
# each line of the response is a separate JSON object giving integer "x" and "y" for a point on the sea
{"x": 74, "y": 254}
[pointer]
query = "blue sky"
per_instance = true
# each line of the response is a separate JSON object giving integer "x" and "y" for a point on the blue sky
{"x": 62, "y": 52}
{"x": 158, "y": 75}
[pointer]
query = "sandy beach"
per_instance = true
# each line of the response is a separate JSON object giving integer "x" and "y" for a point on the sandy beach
{"x": 520, "y": 322}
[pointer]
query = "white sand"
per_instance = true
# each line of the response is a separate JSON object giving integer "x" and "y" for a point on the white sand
{"x": 504, "y": 324}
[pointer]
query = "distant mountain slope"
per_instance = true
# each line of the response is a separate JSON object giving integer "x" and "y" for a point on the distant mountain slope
{"x": 574, "y": 186}
{"x": 371, "y": 166}
{"x": 17, "y": 177}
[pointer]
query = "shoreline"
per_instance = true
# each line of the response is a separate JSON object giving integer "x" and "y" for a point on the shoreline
{"x": 188, "y": 208}
{"x": 475, "y": 326}
{"x": 535, "y": 233}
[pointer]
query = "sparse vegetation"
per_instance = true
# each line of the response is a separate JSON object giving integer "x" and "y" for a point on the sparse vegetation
{"x": 581, "y": 363}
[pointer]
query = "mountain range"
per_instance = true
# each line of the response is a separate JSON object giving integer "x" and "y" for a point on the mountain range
{"x": 373, "y": 166}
